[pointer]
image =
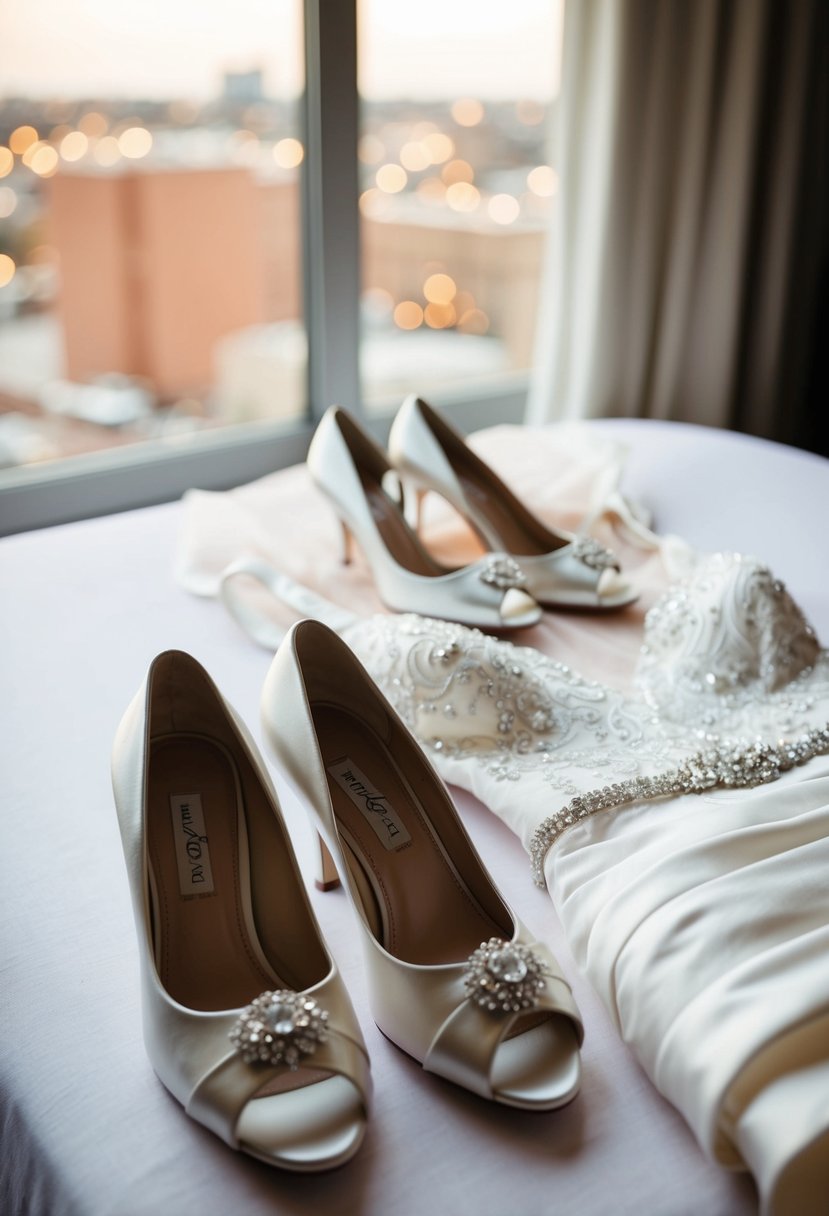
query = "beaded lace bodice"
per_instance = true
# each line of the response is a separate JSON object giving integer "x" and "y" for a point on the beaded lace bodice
{"x": 728, "y": 660}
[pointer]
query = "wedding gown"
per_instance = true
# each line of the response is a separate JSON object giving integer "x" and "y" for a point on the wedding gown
{"x": 686, "y": 848}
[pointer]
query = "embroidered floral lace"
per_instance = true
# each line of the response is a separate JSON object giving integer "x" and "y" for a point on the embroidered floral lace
{"x": 731, "y": 688}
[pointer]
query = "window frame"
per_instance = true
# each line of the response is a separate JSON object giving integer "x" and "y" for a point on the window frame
{"x": 145, "y": 474}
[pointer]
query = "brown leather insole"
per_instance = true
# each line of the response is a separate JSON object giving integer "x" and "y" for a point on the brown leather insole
{"x": 204, "y": 954}
{"x": 425, "y": 913}
{"x": 400, "y": 540}
{"x": 519, "y": 532}
{"x": 205, "y": 950}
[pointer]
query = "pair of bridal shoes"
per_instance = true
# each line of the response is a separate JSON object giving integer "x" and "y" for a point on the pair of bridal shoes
{"x": 377, "y": 497}
{"x": 246, "y": 1019}
{"x": 366, "y": 493}
{"x": 562, "y": 570}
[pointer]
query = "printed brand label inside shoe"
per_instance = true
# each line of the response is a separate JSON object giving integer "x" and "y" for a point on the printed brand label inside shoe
{"x": 195, "y": 876}
{"x": 387, "y": 825}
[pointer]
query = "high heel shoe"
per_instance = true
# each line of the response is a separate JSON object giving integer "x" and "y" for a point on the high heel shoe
{"x": 562, "y": 570}
{"x": 355, "y": 475}
{"x": 246, "y": 1020}
{"x": 454, "y": 979}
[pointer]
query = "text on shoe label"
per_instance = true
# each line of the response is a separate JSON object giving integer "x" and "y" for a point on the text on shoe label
{"x": 195, "y": 876}
{"x": 386, "y": 824}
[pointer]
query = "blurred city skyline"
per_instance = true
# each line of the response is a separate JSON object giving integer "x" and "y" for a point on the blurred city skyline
{"x": 95, "y": 48}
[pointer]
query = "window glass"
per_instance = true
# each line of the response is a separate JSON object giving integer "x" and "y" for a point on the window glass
{"x": 149, "y": 221}
{"x": 458, "y": 180}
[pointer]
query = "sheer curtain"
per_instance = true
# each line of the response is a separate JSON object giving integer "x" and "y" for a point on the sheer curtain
{"x": 687, "y": 254}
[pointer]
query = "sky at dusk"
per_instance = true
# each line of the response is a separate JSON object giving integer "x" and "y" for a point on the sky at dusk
{"x": 180, "y": 48}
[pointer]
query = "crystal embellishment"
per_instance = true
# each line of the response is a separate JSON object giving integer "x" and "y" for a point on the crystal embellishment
{"x": 503, "y": 573}
{"x": 725, "y": 766}
{"x": 589, "y": 551}
{"x": 504, "y": 977}
{"x": 279, "y": 1027}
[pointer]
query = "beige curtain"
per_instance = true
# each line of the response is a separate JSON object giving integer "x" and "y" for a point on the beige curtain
{"x": 687, "y": 254}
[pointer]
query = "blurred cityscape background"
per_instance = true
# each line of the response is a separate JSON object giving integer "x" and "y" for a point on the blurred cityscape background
{"x": 150, "y": 249}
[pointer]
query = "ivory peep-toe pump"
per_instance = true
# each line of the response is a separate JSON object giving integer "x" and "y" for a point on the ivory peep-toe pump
{"x": 454, "y": 979}
{"x": 246, "y": 1020}
{"x": 561, "y": 570}
{"x": 355, "y": 475}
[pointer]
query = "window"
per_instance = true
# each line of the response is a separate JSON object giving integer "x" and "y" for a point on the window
{"x": 173, "y": 225}
{"x": 456, "y": 188}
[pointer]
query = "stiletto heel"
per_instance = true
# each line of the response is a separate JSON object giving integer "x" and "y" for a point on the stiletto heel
{"x": 347, "y": 543}
{"x": 560, "y": 569}
{"x": 246, "y": 1019}
{"x": 365, "y": 491}
{"x": 327, "y": 878}
{"x": 454, "y": 978}
{"x": 413, "y": 496}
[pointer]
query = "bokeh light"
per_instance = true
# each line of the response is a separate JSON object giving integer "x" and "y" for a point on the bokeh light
{"x": 438, "y": 147}
{"x": 440, "y": 289}
{"x": 7, "y": 269}
{"x": 8, "y": 202}
{"x": 106, "y": 151}
{"x": 408, "y": 315}
{"x": 463, "y": 197}
{"x": 503, "y": 208}
{"x": 93, "y": 124}
{"x": 44, "y": 160}
{"x": 391, "y": 179}
{"x": 373, "y": 203}
{"x": 6, "y": 160}
{"x": 439, "y": 316}
{"x": 414, "y": 157}
{"x": 59, "y": 132}
{"x": 74, "y": 146}
{"x": 467, "y": 112}
{"x": 475, "y": 321}
{"x": 22, "y": 138}
{"x": 288, "y": 153}
{"x": 457, "y": 171}
{"x": 464, "y": 301}
{"x": 135, "y": 142}
{"x": 543, "y": 181}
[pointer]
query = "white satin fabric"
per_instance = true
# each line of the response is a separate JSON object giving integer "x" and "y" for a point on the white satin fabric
{"x": 702, "y": 920}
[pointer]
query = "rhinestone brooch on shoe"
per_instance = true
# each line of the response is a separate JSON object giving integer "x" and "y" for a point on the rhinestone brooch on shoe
{"x": 279, "y": 1028}
{"x": 504, "y": 977}
{"x": 503, "y": 573}
{"x": 589, "y": 551}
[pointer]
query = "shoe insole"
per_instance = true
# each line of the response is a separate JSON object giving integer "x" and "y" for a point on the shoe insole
{"x": 518, "y": 531}
{"x": 204, "y": 952}
{"x": 424, "y": 912}
{"x": 400, "y": 540}
{"x": 207, "y": 953}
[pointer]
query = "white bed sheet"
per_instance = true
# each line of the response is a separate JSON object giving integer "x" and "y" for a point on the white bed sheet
{"x": 85, "y": 1127}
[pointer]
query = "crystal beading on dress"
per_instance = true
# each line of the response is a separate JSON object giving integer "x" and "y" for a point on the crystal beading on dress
{"x": 728, "y": 663}
{"x": 725, "y": 766}
{"x": 731, "y": 681}
{"x": 719, "y": 643}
